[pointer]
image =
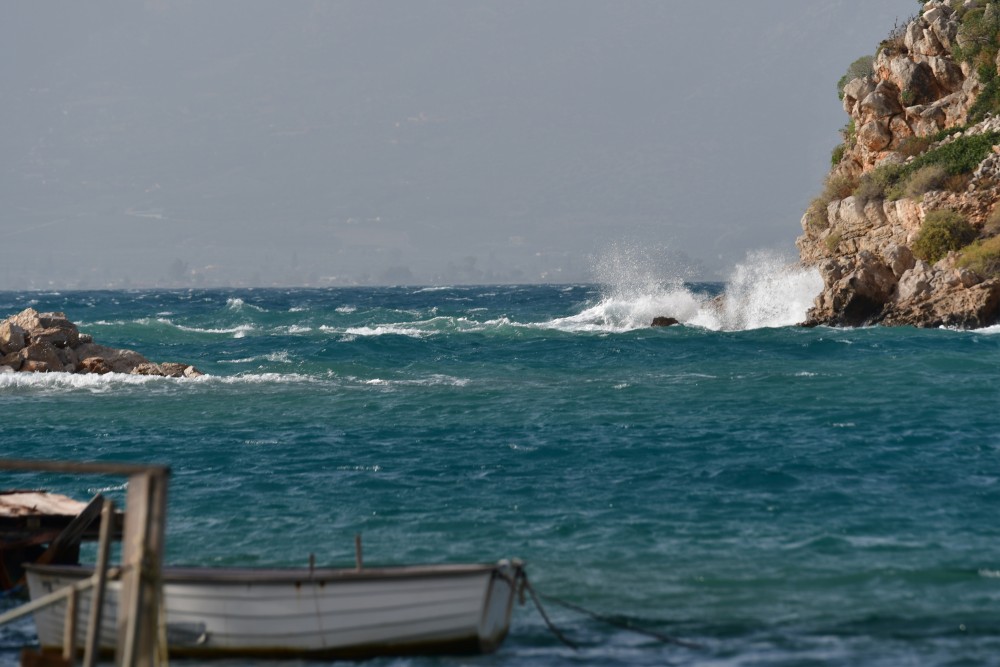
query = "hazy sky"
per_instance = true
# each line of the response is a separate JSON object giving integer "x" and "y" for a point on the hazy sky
{"x": 250, "y": 142}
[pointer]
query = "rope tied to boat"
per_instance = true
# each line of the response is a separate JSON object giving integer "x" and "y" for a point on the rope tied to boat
{"x": 608, "y": 620}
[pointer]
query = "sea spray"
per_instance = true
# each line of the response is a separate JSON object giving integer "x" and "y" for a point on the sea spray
{"x": 767, "y": 290}
{"x": 636, "y": 286}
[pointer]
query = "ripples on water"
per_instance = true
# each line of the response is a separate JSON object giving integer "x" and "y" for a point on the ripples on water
{"x": 780, "y": 495}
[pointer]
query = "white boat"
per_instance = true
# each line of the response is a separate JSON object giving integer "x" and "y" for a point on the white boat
{"x": 321, "y": 613}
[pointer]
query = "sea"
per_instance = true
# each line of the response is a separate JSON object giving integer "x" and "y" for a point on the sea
{"x": 765, "y": 493}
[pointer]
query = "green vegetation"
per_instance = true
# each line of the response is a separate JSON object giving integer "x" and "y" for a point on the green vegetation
{"x": 913, "y": 146}
{"x": 978, "y": 34}
{"x": 992, "y": 225}
{"x": 952, "y": 161}
{"x": 960, "y": 156}
{"x": 861, "y": 67}
{"x": 881, "y": 183}
{"x": 833, "y": 240}
{"x": 978, "y": 45}
{"x": 988, "y": 100}
{"x": 850, "y": 134}
{"x": 837, "y": 156}
{"x": 983, "y": 257}
{"x": 942, "y": 232}
{"x": 925, "y": 179}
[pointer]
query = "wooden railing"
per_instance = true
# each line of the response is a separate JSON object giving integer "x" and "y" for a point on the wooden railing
{"x": 140, "y": 642}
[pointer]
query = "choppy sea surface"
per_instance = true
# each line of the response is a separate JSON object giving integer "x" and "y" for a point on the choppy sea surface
{"x": 777, "y": 495}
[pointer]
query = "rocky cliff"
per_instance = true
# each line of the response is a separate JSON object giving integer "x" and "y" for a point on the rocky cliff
{"x": 906, "y": 230}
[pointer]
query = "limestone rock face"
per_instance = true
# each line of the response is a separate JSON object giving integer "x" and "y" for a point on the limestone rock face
{"x": 31, "y": 341}
{"x": 863, "y": 244}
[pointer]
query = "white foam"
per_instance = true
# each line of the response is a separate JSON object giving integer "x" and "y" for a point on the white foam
{"x": 387, "y": 330}
{"x": 766, "y": 290}
{"x": 347, "y": 309}
{"x": 258, "y": 378}
{"x": 238, "y": 304}
{"x": 433, "y": 380}
{"x": 622, "y": 312}
{"x": 276, "y": 357}
{"x": 237, "y": 331}
{"x": 88, "y": 382}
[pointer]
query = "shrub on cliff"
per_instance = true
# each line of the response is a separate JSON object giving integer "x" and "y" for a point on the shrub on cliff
{"x": 978, "y": 34}
{"x": 837, "y": 156}
{"x": 960, "y": 156}
{"x": 925, "y": 179}
{"x": 913, "y": 146}
{"x": 860, "y": 68}
{"x": 988, "y": 100}
{"x": 983, "y": 257}
{"x": 943, "y": 231}
{"x": 992, "y": 225}
{"x": 879, "y": 183}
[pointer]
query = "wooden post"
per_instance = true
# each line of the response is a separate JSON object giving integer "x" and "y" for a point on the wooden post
{"x": 69, "y": 629}
{"x": 93, "y": 645}
{"x": 142, "y": 558}
{"x": 359, "y": 562}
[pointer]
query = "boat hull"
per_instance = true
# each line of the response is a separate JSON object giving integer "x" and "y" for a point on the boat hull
{"x": 297, "y": 613}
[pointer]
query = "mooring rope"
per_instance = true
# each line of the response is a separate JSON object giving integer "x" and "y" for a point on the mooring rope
{"x": 525, "y": 584}
{"x": 624, "y": 625}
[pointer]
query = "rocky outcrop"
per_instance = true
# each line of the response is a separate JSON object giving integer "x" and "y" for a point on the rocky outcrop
{"x": 49, "y": 343}
{"x": 864, "y": 244}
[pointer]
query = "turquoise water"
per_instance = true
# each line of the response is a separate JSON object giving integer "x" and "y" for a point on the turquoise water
{"x": 781, "y": 496}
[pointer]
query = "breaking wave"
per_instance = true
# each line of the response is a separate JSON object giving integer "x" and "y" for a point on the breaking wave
{"x": 767, "y": 290}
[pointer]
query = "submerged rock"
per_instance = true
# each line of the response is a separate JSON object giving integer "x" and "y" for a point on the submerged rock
{"x": 34, "y": 342}
{"x": 664, "y": 322}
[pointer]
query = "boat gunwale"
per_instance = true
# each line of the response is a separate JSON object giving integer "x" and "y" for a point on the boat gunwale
{"x": 293, "y": 575}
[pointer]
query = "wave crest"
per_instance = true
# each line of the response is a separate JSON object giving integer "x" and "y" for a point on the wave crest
{"x": 767, "y": 290}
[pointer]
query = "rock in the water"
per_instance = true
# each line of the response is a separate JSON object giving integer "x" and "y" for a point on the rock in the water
{"x": 11, "y": 337}
{"x": 95, "y": 365}
{"x": 119, "y": 361}
{"x": 192, "y": 372}
{"x": 48, "y": 342}
{"x": 51, "y": 328}
{"x": 664, "y": 322}
{"x": 42, "y": 353}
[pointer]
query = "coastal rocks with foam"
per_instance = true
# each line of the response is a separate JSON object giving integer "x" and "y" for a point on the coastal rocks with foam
{"x": 34, "y": 342}
{"x": 863, "y": 245}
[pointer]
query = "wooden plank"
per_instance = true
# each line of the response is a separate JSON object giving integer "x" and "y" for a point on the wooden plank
{"x": 73, "y": 468}
{"x": 71, "y": 535}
